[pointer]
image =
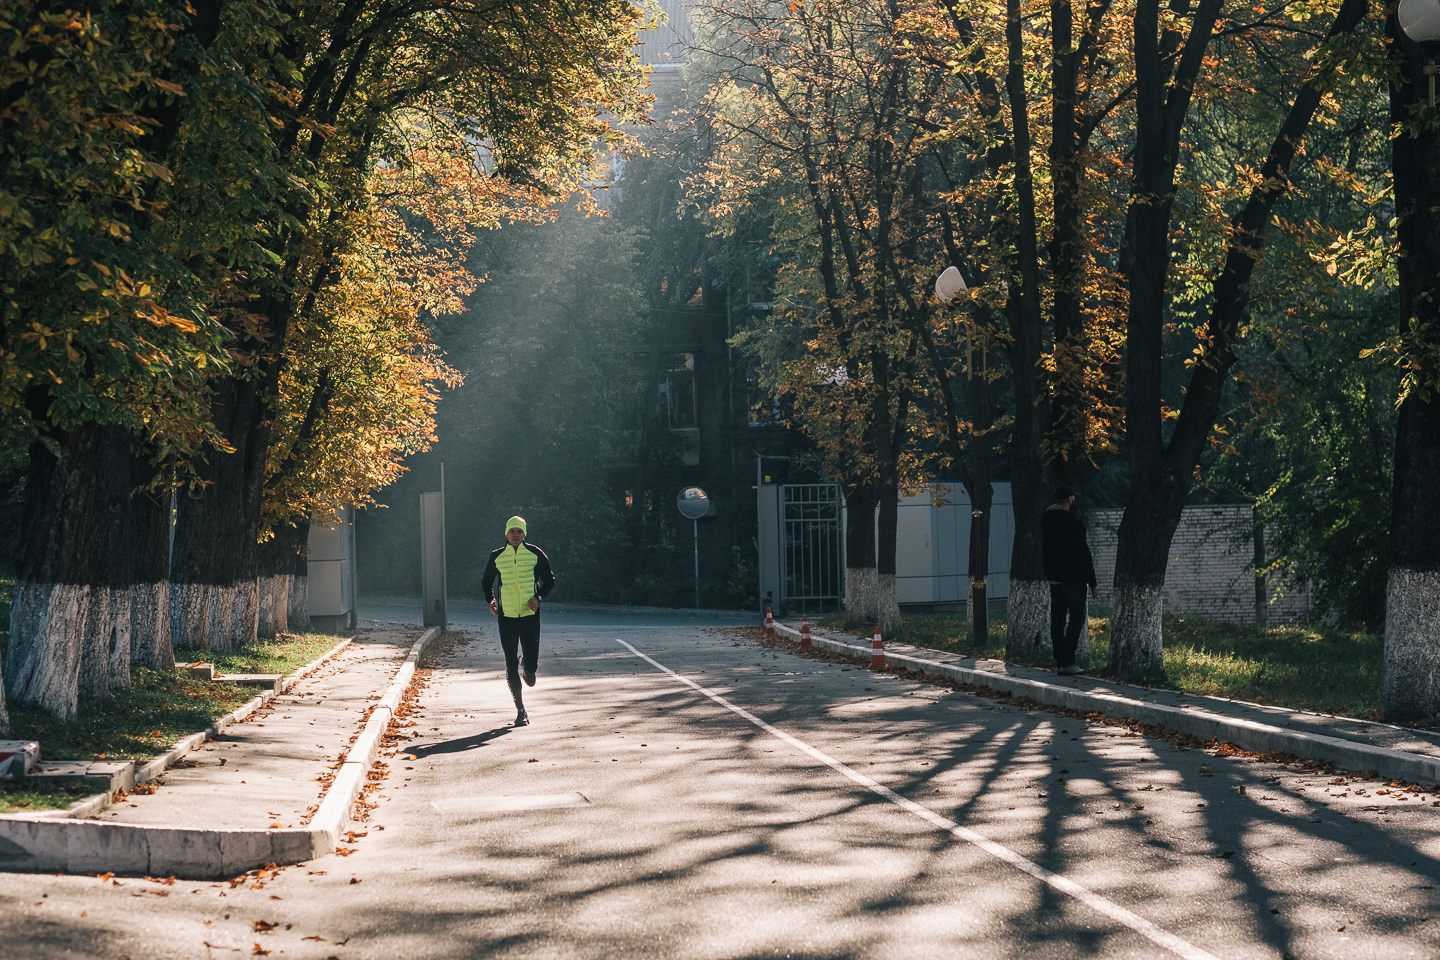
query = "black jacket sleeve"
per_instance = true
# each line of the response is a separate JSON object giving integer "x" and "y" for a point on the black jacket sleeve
{"x": 544, "y": 576}
{"x": 487, "y": 579}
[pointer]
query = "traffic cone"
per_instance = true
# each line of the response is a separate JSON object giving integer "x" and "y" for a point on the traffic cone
{"x": 805, "y": 643}
{"x": 769, "y": 625}
{"x": 877, "y": 652}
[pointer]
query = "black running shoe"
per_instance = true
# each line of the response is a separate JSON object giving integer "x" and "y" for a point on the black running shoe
{"x": 529, "y": 677}
{"x": 522, "y": 719}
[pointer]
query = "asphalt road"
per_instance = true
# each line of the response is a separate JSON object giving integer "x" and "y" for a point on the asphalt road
{"x": 685, "y": 792}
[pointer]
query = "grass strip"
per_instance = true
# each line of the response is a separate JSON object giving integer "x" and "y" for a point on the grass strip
{"x": 286, "y": 653}
{"x": 25, "y": 797}
{"x": 158, "y": 709}
{"x": 1305, "y": 668}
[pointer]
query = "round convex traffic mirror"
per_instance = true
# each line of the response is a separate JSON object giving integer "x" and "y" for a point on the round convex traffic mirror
{"x": 693, "y": 502}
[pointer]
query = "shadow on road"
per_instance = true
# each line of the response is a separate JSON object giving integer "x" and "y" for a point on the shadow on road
{"x": 460, "y": 745}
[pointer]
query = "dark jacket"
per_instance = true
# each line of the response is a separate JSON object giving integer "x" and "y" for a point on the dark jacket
{"x": 523, "y": 572}
{"x": 1065, "y": 553}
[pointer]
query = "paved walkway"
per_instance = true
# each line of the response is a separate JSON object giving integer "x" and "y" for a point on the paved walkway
{"x": 725, "y": 800}
{"x": 268, "y": 770}
{"x": 1361, "y": 731}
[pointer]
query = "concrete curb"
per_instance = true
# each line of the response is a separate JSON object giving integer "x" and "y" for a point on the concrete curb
{"x": 51, "y": 843}
{"x": 334, "y": 811}
{"x": 1246, "y": 734}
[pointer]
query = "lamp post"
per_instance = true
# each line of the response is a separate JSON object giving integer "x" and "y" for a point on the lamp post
{"x": 948, "y": 286}
{"x": 1420, "y": 21}
{"x": 1411, "y": 686}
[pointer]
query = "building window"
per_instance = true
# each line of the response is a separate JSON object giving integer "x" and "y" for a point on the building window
{"x": 676, "y": 402}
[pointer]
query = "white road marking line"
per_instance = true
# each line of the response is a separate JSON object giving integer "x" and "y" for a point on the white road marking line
{"x": 1177, "y": 946}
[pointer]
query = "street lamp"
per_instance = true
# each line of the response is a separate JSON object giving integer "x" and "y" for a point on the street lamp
{"x": 948, "y": 286}
{"x": 1420, "y": 20}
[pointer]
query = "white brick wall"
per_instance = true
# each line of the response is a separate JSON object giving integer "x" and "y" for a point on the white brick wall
{"x": 1211, "y": 566}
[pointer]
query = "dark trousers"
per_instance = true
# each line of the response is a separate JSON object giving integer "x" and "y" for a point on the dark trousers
{"x": 519, "y": 635}
{"x": 1067, "y": 602}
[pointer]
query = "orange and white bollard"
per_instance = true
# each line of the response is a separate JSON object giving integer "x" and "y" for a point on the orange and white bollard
{"x": 769, "y": 625}
{"x": 805, "y": 643}
{"x": 877, "y": 652}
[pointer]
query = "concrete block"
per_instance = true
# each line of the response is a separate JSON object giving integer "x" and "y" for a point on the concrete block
{"x": 199, "y": 670}
{"x": 267, "y": 681}
{"x": 192, "y": 854}
{"x": 106, "y": 847}
{"x": 107, "y": 775}
{"x": 18, "y": 758}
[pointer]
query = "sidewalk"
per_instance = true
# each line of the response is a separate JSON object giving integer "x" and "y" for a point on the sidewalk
{"x": 248, "y": 792}
{"x": 267, "y": 771}
{"x": 1390, "y": 751}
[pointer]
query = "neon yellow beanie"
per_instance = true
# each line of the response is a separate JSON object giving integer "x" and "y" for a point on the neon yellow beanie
{"x": 514, "y": 522}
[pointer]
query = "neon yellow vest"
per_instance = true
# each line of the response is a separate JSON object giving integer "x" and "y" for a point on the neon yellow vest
{"x": 517, "y": 580}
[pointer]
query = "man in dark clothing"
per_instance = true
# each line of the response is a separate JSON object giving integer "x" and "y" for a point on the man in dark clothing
{"x": 525, "y": 578}
{"x": 1070, "y": 569}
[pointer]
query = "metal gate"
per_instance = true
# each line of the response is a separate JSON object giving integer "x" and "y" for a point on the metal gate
{"x": 812, "y": 547}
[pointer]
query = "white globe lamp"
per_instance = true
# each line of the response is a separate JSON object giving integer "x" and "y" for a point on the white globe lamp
{"x": 950, "y": 284}
{"x": 1420, "y": 21}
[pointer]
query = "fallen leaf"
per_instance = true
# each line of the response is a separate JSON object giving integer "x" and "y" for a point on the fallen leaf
{"x": 354, "y": 879}
{"x": 259, "y": 951}
{"x": 263, "y": 926}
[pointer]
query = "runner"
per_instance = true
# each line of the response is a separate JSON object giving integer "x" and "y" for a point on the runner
{"x": 525, "y": 577}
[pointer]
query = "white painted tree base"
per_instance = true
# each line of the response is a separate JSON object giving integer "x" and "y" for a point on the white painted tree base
{"x": 47, "y": 641}
{"x": 887, "y": 606}
{"x": 274, "y": 606}
{"x": 190, "y": 615}
{"x": 1412, "y": 645}
{"x": 150, "y": 645}
{"x": 1027, "y": 621}
{"x": 298, "y": 597}
{"x": 861, "y": 594}
{"x": 1136, "y": 635}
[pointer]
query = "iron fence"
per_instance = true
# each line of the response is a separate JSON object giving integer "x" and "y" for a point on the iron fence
{"x": 813, "y": 547}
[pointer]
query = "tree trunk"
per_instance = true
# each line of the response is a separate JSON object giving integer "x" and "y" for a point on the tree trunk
{"x": 1146, "y": 531}
{"x": 150, "y": 645}
{"x": 190, "y": 573}
{"x": 861, "y": 587}
{"x": 1412, "y": 602}
{"x": 60, "y": 577}
{"x": 298, "y": 595}
{"x": 887, "y": 607}
{"x": 274, "y": 590}
{"x": 278, "y": 558}
{"x": 105, "y": 661}
{"x": 214, "y": 577}
{"x": 1262, "y": 592}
